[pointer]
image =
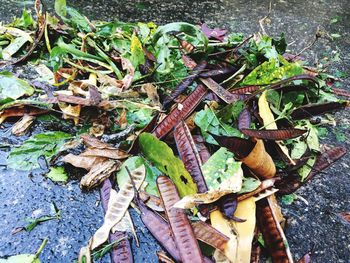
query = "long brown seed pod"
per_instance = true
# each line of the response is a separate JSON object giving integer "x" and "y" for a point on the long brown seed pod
{"x": 203, "y": 151}
{"x": 209, "y": 235}
{"x": 180, "y": 226}
{"x": 245, "y": 89}
{"x": 310, "y": 110}
{"x": 274, "y": 237}
{"x": 341, "y": 92}
{"x": 256, "y": 248}
{"x": 183, "y": 110}
{"x": 189, "y": 155}
{"x": 185, "y": 83}
{"x": 160, "y": 229}
{"x": 121, "y": 252}
{"x": 217, "y": 72}
{"x": 276, "y": 135}
{"x": 292, "y": 182}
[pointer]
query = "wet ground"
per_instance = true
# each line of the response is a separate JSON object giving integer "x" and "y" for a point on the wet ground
{"x": 311, "y": 224}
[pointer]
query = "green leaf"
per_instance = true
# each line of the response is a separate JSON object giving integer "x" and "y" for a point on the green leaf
{"x": 249, "y": 184}
{"x": 270, "y": 72}
{"x": 151, "y": 173}
{"x": 280, "y": 44}
{"x": 306, "y": 169}
{"x": 335, "y": 36}
{"x": 340, "y": 135}
{"x": 26, "y": 258}
{"x": 220, "y": 167}
{"x": 208, "y": 122}
{"x": 32, "y": 223}
{"x": 57, "y": 174}
{"x": 162, "y": 157}
{"x": 77, "y": 20}
{"x": 288, "y": 199}
{"x": 231, "y": 112}
{"x": 23, "y": 258}
{"x": 14, "y": 47}
{"x": 61, "y": 7}
{"x": 46, "y": 144}
{"x": 184, "y": 27}
{"x": 12, "y": 87}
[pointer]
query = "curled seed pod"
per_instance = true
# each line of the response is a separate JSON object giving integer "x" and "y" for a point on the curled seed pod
{"x": 274, "y": 237}
{"x": 189, "y": 155}
{"x": 240, "y": 147}
{"x": 260, "y": 162}
{"x": 183, "y": 110}
{"x": 201, "y": 148}
{"x": 310, "y": 110}
{"x": 180, "y": 226}
{"x": 244, "y": 119}
{"x": 228, "y": 205}
{"x": 185, "y": 83}
{"x": 121, "y": 252}
{"x": 277, "y": 135}
{"x": 209, "y": 235}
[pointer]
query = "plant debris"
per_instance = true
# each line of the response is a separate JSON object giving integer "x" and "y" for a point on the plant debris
{"x": 194, "y": 127}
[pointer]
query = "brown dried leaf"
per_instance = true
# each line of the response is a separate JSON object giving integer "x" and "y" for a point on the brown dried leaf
{"x": 99, "y": 173}
{"x": 152, "y": 93}
{"x": 85, "y": 162}
{"x": 70, "y": 112}
{"x": 22, "y": 126}
{"x": 118, "y": 205}
{"x": 19, "y": 111}
{"x": 107, "y": 153}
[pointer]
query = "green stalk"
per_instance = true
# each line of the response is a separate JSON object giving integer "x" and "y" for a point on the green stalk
{"x": 105, "y": 57}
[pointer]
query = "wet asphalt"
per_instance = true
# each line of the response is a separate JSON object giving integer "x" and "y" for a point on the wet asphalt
{"x": 313, "y": 221}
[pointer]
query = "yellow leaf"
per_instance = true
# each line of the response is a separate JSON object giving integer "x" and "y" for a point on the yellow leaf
{"x": 245, "y": 230}
{"x": 269, "y": 121}
{"x": 70, "y": 112}
{"x": 224, "y": 226}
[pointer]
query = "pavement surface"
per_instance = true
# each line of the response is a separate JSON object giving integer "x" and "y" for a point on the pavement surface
{"x": 313, "y": 221}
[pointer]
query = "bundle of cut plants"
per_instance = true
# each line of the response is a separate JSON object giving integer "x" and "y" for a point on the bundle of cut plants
{"x": 197, "y": 129}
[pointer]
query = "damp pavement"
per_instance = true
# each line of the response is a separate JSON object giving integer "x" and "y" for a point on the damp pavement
{"x": 312, "y": 220}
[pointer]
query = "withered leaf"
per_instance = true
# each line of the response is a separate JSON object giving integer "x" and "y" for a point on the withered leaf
{"x": 99, "y": 173}
{"x": 85, "y": 162}
{"x": 22, "y": 126}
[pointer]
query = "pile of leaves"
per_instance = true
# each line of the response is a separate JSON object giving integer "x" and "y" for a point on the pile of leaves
{"x": 196, "y": 128}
